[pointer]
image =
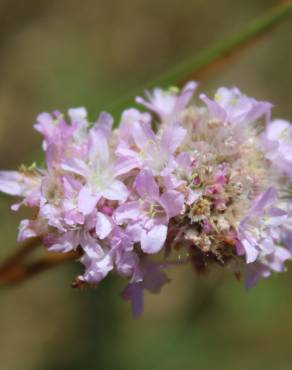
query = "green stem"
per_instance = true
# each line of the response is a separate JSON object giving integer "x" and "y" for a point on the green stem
{"x": 209, "y": 56}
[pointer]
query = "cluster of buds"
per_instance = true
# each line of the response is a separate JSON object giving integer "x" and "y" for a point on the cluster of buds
{"x": 201, "y": 182}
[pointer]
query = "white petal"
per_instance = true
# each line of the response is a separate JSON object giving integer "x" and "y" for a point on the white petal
{"x": 152, "y": 241}
{"x": 14, "y": 183}
{"x": 116, "y": 191}
{"x": 87, "y": 201}
{"x": 250, "y": 251}
{"x": 103, "y": 225}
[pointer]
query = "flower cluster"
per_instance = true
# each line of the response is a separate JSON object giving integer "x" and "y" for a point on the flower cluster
{"x": 201, "y": 182}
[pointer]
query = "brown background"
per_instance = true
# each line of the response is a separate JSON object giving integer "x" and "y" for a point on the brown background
{"x": 63, "y": 53}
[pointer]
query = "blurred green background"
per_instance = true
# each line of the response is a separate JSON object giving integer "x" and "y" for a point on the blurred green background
{"x": 66, "y": 53}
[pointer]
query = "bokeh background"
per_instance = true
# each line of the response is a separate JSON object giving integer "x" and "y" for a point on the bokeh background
{"x": 66, "y": 53}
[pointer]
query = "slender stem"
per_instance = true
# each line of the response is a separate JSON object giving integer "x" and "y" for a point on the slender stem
{"x": 21, "y": 272}
{"x": 197, "y": 66}
{"x": 215, "y": 53}
{"x": 21, "y": 253}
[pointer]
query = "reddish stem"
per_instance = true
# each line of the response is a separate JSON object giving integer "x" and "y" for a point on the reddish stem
{"x": 14, "y": 269}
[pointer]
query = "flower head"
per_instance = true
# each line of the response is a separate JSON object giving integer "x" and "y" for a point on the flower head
{"x": 206, "y": 181}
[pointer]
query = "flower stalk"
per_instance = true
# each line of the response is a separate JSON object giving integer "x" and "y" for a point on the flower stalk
{"x": 214, "y": 58}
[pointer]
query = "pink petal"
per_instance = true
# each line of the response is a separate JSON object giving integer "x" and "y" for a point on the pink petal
{"x": 127, "y": 211}
{"x": 153, "y": 240}
{"x": 126, "y": 164}
{"x": 172, "y": 201}
{"x": 103, "y": 225}
{"x": 98, "y": 146}
{"x": 172, "y": 138}
{"x": 215, "y": 109}
{"x": 116, "y": 191}
{"x": 146, "y": 186}
{"x": 185, "y": 96}
{"x": 97, "y": 267}
{"x": 78, "y": 115}
{"x": 87, "y": 201}
{"x": 265, "y": 199}
{"x": 275, "y": 129}
{"x": 76, "y": 166}
{"x": 142, "y": 133}
{"x": 251, "y": 252}
{"x": 12, "y": 183}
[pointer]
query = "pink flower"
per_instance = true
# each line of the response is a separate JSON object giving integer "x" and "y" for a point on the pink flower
{"x": 273, "y": 262}
{"x": 168, "y": 104}
{"x": 198, "y": 183}
{"x": 100, "y": 179}
{"x": 149, "y": 215}
{"x": 230, "y": 105}
{"x": 142, "y": 148}
{"x": 258, "y": 232}
{"x": 25, "y": 185}
{"x": 277, "y": 142}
